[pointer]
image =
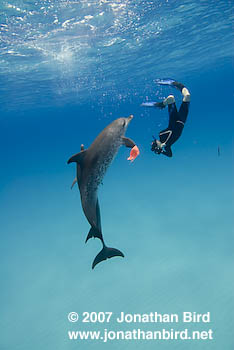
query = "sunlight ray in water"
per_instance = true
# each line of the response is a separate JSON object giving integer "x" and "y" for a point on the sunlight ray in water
{"x": 95, "y": 38}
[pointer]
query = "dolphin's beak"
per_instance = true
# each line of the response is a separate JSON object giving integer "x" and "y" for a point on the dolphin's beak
{"x": 130, "y": 117}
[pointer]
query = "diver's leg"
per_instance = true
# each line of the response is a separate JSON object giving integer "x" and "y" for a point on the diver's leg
{"x": 172, "y": 110}
{"x": 166, "y": 102}
{"x": 185, "y": 92}
{"x": 183, "y": 112}
{"x": 184, "y": 108}
{"x": 165, "y": 134}
{"x": 186, "y": 95}
{"x": 169, "y": 100}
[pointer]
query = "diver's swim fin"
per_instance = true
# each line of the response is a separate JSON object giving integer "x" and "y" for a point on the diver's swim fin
{"x": 106, "y": 253}
{"x": 93, "y": 232}
{"x": 160, "y": 105}
{"x": 170, "y": 82}
{"x": 166, "y": 81}
{"x": 148, "y": 104}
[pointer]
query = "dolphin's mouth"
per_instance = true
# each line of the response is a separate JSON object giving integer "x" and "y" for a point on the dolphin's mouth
{"x": 128, "y": 119}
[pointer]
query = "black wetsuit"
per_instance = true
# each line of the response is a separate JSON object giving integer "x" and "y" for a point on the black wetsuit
{"x": 176, "y": 124}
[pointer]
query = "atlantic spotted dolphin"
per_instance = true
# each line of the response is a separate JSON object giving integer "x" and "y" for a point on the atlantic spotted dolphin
{"x": 92, "y": 164}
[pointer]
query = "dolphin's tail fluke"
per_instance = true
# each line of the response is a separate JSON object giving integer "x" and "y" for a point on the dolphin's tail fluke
{"x": 106, "y": 253}
{"x": 93, "y": 232}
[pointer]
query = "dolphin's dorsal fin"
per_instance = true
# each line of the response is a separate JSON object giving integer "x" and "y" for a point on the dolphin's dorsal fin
{"x": 78, "y": 157}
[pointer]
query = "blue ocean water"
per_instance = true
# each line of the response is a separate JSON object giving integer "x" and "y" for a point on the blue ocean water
{"x": 67, "y": 69}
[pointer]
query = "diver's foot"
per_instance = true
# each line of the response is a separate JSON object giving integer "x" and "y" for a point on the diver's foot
{"x": 178, "y": 85}
{"x": 160, "y": 105}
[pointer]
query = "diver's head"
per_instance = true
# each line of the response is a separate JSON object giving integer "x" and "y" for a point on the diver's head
{"x": 156, "y": 146}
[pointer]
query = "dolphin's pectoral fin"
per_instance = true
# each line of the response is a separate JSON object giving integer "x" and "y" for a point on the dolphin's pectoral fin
{"x": 74, "y": 181}
{"x": 131, "y": 144}
{"x": 106, "y": 253}
{"x": 78, "y": 157}
{"x": 128, "y": 142}
{"x": 93, "y": 232}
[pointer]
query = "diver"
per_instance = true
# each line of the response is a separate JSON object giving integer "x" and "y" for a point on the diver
{"x": 177, "y": 119}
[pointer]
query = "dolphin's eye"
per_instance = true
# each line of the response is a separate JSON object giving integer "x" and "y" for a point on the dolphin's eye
{"x": 124, "y": 123}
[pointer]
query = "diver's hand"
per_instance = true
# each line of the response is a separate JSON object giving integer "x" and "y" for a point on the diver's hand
{"x": 134, "y": 153}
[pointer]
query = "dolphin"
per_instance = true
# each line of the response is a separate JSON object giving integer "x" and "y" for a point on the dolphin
{"x": 92, "y": 164}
